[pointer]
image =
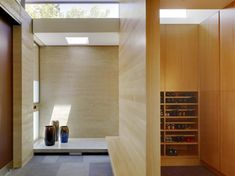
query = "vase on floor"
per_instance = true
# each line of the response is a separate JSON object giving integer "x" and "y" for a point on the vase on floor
{"x": 64, "y": 134}
{"x": 49, "y": 135}
{"x": 56, "y": 124}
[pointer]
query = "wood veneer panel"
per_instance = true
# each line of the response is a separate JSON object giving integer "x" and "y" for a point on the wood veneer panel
{"x": 119, "y": 158}
{"x": 227, "y": 17}
{"x": 209, "y": 54}
{"x": 209, "y": 91}
{"x": 6, "y": 92}
{"x": 153, "y": 87}
{"x": 227, "y": 48}
{"x": 36, "y": 63}
{"x": 22, "y": 82}
{"x": 227, "y": 133}
{"x": 210, "y": 129}
{"x": 85, "y": 78}
{"x": 139, "y": 62}
{"x": 194, "y": 4}
{"x": 180, "y": 55}
{"x": 27, "y": 88}
{"x": 132, "y": 84}
{"x": 163, "y": 48}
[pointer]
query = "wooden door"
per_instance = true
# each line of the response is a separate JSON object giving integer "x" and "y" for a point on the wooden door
{"x": 227, "y": 45}
{"x": 210, "y": 91}
{"x": 6, "y": 93}
{"x": 179, "y": 57}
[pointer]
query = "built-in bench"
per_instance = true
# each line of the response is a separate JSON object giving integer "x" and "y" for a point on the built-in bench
{"x": 121, "y": 162}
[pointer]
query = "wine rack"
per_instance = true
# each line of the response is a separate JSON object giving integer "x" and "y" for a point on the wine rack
{"x": 179, "y": 124}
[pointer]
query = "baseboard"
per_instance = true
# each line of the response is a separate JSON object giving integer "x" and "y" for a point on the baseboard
{"x": 6, "y": 169}
{"x": 212, "y": 169}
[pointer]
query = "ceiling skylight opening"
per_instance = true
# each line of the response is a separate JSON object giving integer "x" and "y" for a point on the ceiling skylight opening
{"x": 77, "y": 40}
{"x": 173, "y": 13}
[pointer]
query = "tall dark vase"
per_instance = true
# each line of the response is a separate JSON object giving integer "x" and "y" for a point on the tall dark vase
{"x": 49, "y": 135}
{"x": 64, "y": 134}
{"x": 56, "y": 124}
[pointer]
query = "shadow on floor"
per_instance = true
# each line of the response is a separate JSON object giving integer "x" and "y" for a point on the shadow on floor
{"x": 186, "y": 171}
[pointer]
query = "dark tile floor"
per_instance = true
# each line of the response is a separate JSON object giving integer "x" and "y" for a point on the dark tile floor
{"x": 186, "y": 171}
{"x": 93, "y": 165}
{"x": 66, "y": 166}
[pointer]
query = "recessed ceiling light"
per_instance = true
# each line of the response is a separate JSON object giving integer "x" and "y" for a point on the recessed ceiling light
{"x": 173, "y": 13}
{"x": 77, "y": 40}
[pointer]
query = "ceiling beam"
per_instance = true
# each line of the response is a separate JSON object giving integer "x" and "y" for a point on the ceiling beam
{"x": 75, "y": 25}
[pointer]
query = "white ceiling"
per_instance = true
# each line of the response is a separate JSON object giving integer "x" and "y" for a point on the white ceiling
{"x": 52, "y": 32}
{"x": 101, "y": 32}
{"x": 58, "y": 39}
{"x": 193, "y": 17}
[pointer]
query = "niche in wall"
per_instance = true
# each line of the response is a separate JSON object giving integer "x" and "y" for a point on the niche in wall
{"x": 179, "y": 97}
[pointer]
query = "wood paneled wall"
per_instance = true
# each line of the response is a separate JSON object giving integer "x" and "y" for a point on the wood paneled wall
{"x": 23, "y": 55}
{"x": 179, "y": 57}
{"x": 27, "y": 88}
{"x": 163, "y": 57}
{"x": 22, "y": 83}
{"x": 210, "y": 91}
{"x": 132, "y": 83}
{"x": 227, "y": 38}
{"x": 85, "y": 81}
{"x": 6, "y": 92}
{"x": 139, "y": 63}
{"x": 217, "y": 53}
{"x": 153, "y": 88}
{"x": 36, "y": 70}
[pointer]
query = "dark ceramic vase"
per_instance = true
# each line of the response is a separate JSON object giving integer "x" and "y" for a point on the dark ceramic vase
{"x": 56, "y": 124}
{"x": 49, "y": 135}
{"x": 64, "y": 134}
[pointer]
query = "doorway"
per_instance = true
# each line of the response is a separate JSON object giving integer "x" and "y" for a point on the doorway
{"x": 6, "y": 90}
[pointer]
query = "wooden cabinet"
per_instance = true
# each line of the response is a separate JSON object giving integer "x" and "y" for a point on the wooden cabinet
{"x": 217, "y": 87}
{"x": 209, "y": 62}
{"x": 179, "y": 57}
{"x": 227, "y": 133}
{"x": 227, "y": 38}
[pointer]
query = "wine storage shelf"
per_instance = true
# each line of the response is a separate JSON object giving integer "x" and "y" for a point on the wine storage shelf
{"x": 179, "y": 126}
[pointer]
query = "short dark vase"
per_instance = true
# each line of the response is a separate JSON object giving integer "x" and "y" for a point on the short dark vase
{"x": 49, "y": 135}
{"x": 64, "y": 134}
{"x": 56, "y": 124}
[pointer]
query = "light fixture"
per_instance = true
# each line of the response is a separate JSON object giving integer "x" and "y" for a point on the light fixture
{"x": 173, "y": 13}
{"x": 77, "y": 40}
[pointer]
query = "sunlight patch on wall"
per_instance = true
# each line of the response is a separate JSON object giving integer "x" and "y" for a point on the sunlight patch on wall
{"x": 61, "y": 113}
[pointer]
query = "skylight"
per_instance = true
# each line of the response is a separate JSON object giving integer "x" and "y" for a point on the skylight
{"x": 77, "y": 40}
{"x": 173, "y": 13}
{"x": 73, "y": 10}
